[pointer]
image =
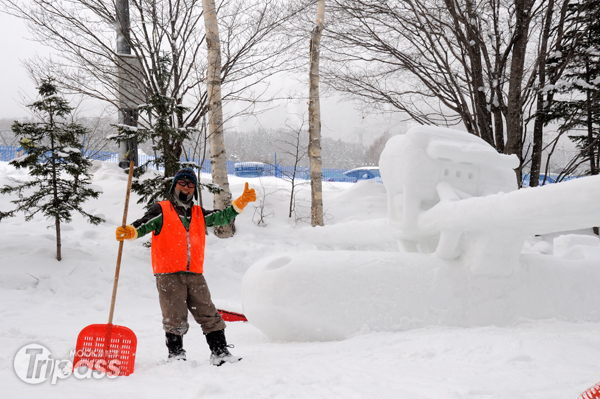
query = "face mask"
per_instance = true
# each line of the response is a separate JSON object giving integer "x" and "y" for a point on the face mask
{"x": 183, "y": 197}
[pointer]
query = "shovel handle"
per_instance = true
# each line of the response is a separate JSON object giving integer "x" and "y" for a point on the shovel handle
{"x": 116, "y": 282}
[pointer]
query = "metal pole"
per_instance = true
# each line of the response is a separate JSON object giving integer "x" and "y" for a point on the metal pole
{"x": 128, "y": 115}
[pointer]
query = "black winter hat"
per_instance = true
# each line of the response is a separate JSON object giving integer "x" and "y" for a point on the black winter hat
{"x": 185, "y": 174}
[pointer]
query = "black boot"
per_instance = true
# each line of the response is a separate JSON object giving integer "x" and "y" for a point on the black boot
{"x": 219, "y": 353}
{"x": 175, "y": 345}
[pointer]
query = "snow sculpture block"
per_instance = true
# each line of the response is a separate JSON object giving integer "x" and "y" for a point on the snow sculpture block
{"x": 332, "y": 295}
{"x": 429, "y": 166}
{"x": 451, "y": 194}
{"x": 452, "y": 198}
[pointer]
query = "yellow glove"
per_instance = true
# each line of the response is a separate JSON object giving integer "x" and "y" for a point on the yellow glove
{"x": 126, "y": 233}
{"x": 248, "y": 196}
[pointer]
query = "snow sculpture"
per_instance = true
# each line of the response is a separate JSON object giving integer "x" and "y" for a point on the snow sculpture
{"x": 331, "y": 295}
{"x": 461, "y": 225}
{"x": 431, "y": 166}
{"x": 451, "y": 193}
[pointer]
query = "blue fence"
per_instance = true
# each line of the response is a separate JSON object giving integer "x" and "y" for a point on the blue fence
{"x": 8, "y": 153}
{"x": 102, "y": 156}
{"x": 242, "y": 169}
{"x": 549, "y": 179}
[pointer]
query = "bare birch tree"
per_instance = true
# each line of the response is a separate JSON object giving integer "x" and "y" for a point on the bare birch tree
{"x": 314, "y": 121}
{"x": 215, "y": 115}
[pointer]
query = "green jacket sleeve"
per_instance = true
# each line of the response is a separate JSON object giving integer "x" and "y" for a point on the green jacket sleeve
{"x": 151, "y": 221}
{"x": 220, "y": 218}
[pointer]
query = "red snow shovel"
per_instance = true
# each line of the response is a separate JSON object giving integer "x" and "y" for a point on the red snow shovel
{"x": 231, "y": 316}
{"x": 105, "y": 347}
{"x": 592, "y": 393}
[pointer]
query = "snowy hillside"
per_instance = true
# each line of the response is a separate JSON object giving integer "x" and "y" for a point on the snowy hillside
{"x": 47, "y": 302}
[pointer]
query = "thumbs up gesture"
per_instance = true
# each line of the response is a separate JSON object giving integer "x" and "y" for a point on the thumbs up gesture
{"x": 249, "y": 195}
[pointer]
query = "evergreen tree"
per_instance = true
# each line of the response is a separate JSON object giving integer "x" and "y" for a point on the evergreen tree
{"x": 576, "y": 102}
{"x": 60, "y": 179}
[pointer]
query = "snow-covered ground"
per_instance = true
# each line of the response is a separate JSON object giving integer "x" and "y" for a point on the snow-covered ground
{"x": 48, "y": 302}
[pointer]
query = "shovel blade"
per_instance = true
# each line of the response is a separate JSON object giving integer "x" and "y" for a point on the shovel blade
{"x": 231, "y": 316}
{"x": 107, "y": 348}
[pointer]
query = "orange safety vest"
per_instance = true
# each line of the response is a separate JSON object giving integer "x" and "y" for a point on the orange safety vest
{"x": 174, "y": 249}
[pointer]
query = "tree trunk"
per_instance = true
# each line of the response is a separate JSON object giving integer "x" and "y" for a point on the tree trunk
{"x": 590, "y": 130}
{"x": 538, "y": 127}
{"x": 514, "y": 117}
{"x": 484, "y": 119}
{"x": 498, "y": 120}
{"x": 55, "y": 195}
{"x": 538, "y": 137}
{"x": 58, "y": 240}
{"x": 215, "y": 115}
{"x": 314, "y": 121}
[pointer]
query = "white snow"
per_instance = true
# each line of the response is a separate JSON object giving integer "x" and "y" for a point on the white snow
{"x": 125, "y": 127}
{"x": 584, "y": 85}
{"x": 402, "y": 333}
{"x": 576, "y": 246}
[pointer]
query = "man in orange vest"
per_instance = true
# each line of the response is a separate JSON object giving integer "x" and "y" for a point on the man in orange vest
{"x": 178, "y": 238}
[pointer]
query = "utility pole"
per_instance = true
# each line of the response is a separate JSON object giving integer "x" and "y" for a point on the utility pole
{"x": 129, "y": 93}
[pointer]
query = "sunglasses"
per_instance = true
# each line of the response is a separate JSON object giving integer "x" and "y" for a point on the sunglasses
{"x": 184, "y": 183}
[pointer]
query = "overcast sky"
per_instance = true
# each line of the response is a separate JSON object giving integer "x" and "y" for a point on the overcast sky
{"x": 14, "y": 80}
{"x": 339, "y": 119}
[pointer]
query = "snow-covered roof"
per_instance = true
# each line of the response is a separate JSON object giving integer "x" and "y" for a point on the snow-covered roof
{"x": 365, "y": 168}
{"x": 240, "y": 164}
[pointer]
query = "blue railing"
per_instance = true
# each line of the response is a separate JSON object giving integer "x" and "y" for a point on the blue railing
{"x": 102, "y": 155}
{"x": 549, "y": 179}
{"x": 242, "y": 169}
{"x": 8, "y": 153}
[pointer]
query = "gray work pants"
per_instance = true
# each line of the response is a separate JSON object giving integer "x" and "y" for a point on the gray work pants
{"x": 178, "y": 293}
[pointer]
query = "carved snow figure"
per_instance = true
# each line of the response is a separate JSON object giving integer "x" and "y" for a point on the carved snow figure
{"x": 451, "y": 193}
{"x": 429, "y": 166}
